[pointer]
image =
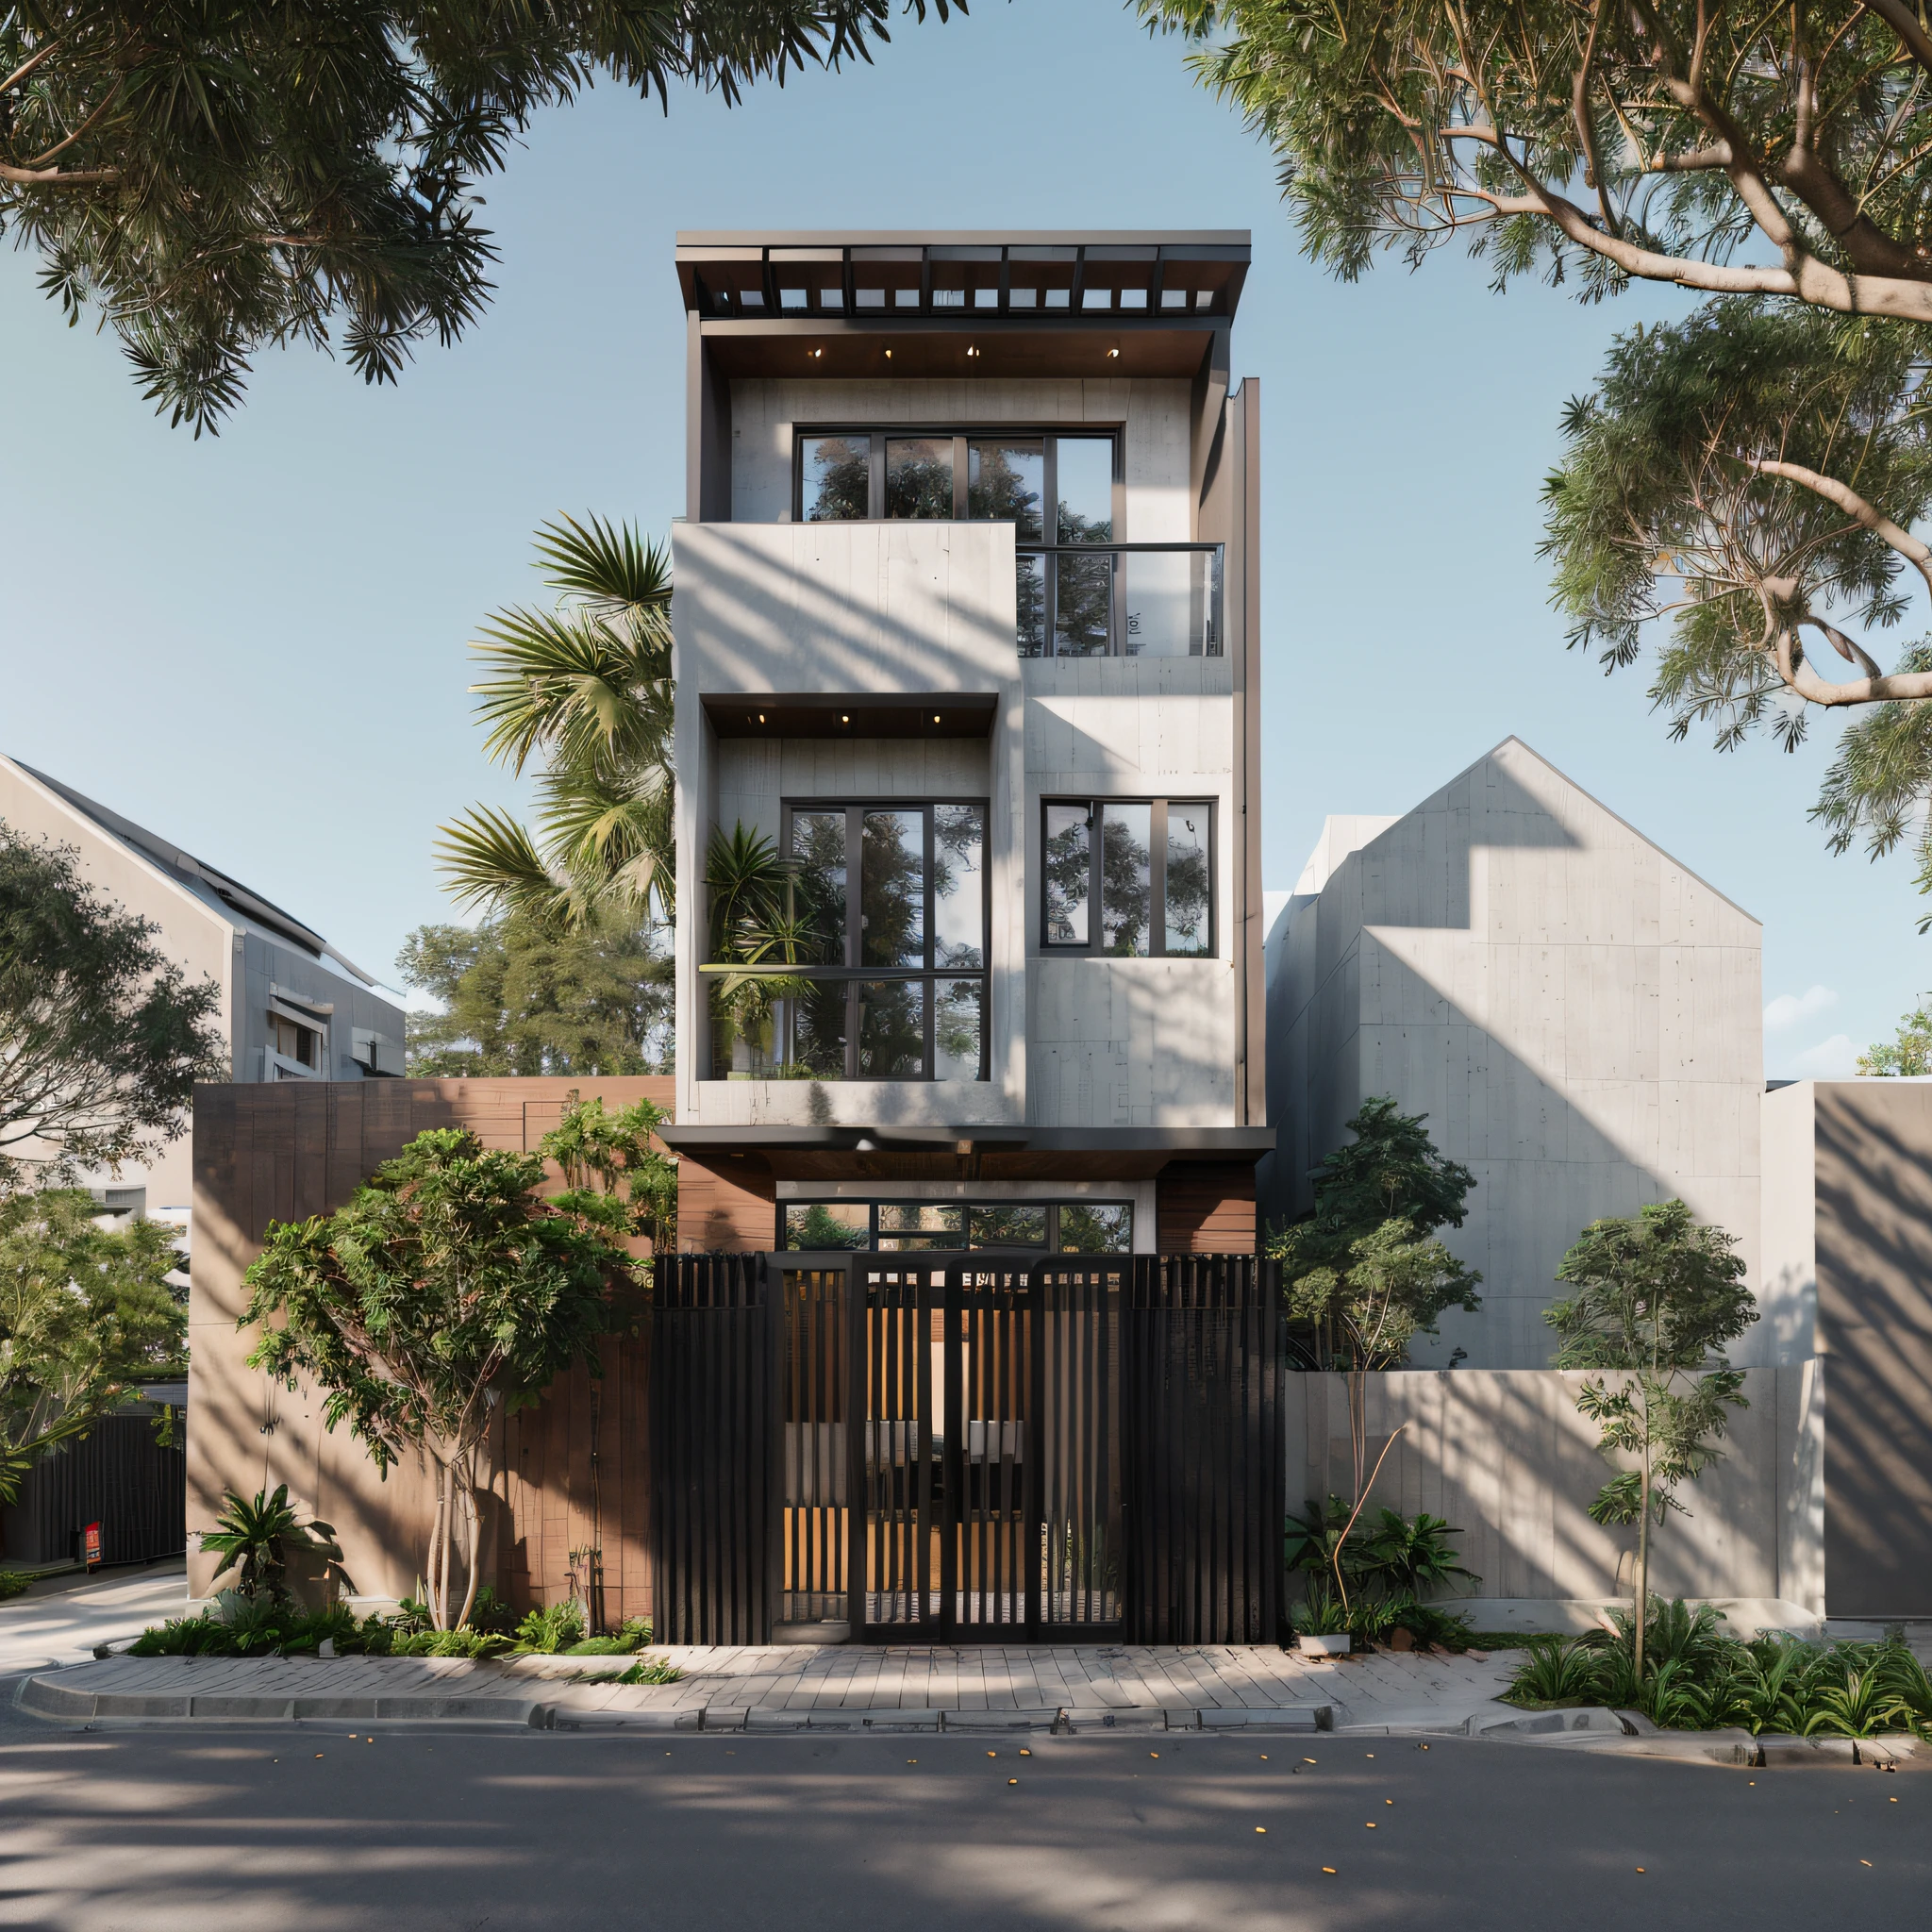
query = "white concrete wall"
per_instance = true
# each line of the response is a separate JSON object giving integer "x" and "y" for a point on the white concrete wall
{"x": 1134, "y": 1043}
{"x": 1577, "y": 1015}
{"x": 1506, "y": 1458}
{"x": 1787, "y": 1329}
{"x": 1155, "y": 414}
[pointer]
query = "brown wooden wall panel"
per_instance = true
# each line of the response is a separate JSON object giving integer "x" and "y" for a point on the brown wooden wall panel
{"x": 568, "y": 1474}
{"x": 1206, "y": 1207}
{"x": 730, "y": 1208}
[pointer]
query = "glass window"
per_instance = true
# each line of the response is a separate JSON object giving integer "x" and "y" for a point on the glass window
{"x": 1019, "y": 1225}
{"x": 919, "y": 476}
{"x": 829, "y": 1224}
{"x": 958, "y": 1029}
{"x": 818, "y": 843}
{"x": 920, "y": 1224}
{"x": 1085, "y": 464}
{"x": 1188, "y": 899}
{"x": 1150, "y": 867}
{"x": 1029, "y": 607}
{"x": 1096, "y": 1229}
{"x": 819, "y": 1027}
{"x": 891, "y": 903}
{"x": 1082, "y": 604}
{"x": 1006, "y": 482}
{"x": 838, "y": 478}
{"x": 1068, "y": 873}
{"x": 1126, "y": 879}
{"x": 891, "y": 1029}
{"x": 959, "y": 886}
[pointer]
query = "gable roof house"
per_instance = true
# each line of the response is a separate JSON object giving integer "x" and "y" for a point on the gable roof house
{"x": 1577, "y": 1013}
{"x": 291, "y": 1007}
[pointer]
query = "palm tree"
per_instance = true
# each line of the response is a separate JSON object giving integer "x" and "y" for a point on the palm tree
{"x": 588, "y": 688}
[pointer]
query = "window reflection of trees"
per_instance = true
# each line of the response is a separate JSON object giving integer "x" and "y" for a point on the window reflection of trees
{"x": 891, "y": 1029}
{"x": 1188, "y": 926}
{"x": 919, "y": 476}
{"x": 1126, "y": 885}
{"x": 1006, "y": 482}
{"x": 891, "y": 902}
{"x": 1069, "y": 865}
{"x": 837, "y": 478}
{"x": 959, "y": 886}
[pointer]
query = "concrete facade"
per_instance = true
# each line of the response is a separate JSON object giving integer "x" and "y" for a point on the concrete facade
{"x": 1578, "y": 1015}
{"x": 1847, "y": 1260}
{"x": 261, "y": 958}
{"x": 869, "y": 636}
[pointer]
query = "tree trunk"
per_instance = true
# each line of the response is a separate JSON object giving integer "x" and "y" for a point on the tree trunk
{"x": 1643, "y": 1540}
{"x": 438, "y": 1528}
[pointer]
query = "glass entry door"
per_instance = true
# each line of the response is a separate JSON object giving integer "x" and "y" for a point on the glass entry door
{"x": 987, "y": 1456}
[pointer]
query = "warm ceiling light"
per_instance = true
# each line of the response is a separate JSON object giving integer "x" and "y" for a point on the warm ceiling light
{"x": 761, "y": 717}
{"x": 971, "y": 351}
{"x": 821, "y": 352}
{"x": 1112, "y": 354}
{"x": 889, "y": 354}
{"x": 935, "y": 717}
{"x": 844, "y": 720}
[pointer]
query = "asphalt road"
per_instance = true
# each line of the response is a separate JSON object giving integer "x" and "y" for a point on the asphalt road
{"x": 309, "y": 1826}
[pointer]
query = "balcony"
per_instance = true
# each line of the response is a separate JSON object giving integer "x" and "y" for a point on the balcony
{"x": 1119, "y": 600}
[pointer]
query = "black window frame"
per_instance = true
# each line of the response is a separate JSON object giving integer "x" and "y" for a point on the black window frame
{"x": 879, "y": 433}
{"x": 939, "y": 1242}
{"x": 1156, "y": 879}
{"x": 855, "y": 972}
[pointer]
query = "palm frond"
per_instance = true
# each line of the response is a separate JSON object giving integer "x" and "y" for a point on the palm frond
{"x": 490, "y": 859}
{"x": 608, "y": 566}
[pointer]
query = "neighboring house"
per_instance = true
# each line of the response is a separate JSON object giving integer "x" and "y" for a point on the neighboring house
{"x": 967, "y": 626}
{"x": 290, "y": 1007}
{"x": 1577, "y": 1014}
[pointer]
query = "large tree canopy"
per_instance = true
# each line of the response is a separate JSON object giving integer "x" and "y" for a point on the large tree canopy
{"x": 102, "y": 1037}
{"x": 1749, "y": 476}
{"x": 220, "y": 176}
{"x": 1746, "y": 150}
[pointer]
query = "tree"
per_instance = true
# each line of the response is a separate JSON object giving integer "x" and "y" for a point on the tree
{"x": 1364, "y": 1271}
{"x": 102, "y": 1037}
{"x": 1910, "y": 1053}
{"x": 446, "y": 1292}
{"x": 86, "y": 1314}
{"x": 1658, "y": 1296}
{"x": 588, "y": 688}
{"x": 522, "y": 997}
{"x": 1750, "y": 151}
{"x": 1751, "y": 472}
{"x": 221, "y": 177}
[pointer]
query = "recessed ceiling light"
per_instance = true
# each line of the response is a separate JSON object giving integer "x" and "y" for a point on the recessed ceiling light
{"x": 761, "y": 717}
{"x": 817, "y": 352}
{"x": 889, "y": 354}
{"x": 1112, "y": 354}
{"x": 935, "y": 717}
{"x": 970, "y": 350}
{"x": 844, "y": 720}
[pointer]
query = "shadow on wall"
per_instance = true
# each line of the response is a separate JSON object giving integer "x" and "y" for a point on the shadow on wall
{"x": 1507, "y": 1459}
{"x": 1875, "y": 1327}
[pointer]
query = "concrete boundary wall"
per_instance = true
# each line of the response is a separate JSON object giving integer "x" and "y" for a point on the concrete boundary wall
{"x": 1504, "y": 1457}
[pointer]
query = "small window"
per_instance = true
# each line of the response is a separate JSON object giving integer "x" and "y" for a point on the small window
{"x": 829, "y": 1224}
{"x": 294, "y": 1042}
{"x": 1130, "y": 878}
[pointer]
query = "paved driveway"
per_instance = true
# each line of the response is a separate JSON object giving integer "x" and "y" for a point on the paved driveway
{"x": 313, "y": 1829}
{"x": 64, "y": 1626}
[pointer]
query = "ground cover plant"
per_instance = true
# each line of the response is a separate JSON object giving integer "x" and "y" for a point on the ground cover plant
{"x": 1389, "y": 1565}
{"x": 1696, "y": 1675}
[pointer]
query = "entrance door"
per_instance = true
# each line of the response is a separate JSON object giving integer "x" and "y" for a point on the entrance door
{"x": 987, "y": 1459}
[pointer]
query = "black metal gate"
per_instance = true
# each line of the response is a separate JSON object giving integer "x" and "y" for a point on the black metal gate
{"x": 968, "y": 1448}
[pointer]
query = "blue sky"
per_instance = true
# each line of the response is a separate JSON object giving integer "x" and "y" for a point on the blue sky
{"x": 257, "y": 644}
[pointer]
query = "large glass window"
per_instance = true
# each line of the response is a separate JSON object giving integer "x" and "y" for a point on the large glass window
{"x": 890, "y": 979}
{"x": 1060, "y": 1227}
{"x": 1148, "y": 866}
{"x": 919, "y": 476}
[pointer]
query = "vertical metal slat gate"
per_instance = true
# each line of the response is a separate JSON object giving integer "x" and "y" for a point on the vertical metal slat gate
{"x": 1201, "y": 1391}
{"x": 715, "y": 1450}
{"x": 960, "y": 1447}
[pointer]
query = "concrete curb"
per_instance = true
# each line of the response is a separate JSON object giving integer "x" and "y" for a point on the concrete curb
{"x": 46, "y": 1696}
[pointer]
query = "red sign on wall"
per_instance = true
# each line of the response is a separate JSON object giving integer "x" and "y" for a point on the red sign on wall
{"x": 93, "y": 1535}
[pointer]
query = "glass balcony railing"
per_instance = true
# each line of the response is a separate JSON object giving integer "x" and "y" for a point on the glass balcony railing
{"x": 1120, "y": 600}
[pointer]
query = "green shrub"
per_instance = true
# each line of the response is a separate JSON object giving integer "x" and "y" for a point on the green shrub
{"x": 651, "y": 1670}
{"x": 13, "y": 1582}
{"x": 553, "y": 1629}
{"x": 1698, "y": 1677}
